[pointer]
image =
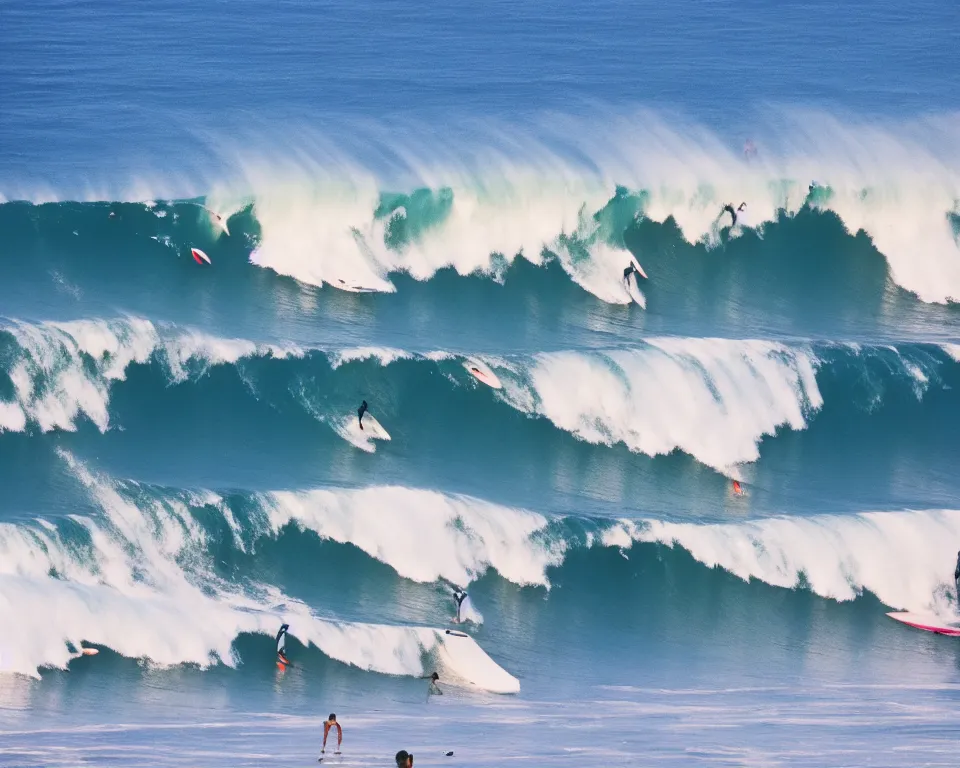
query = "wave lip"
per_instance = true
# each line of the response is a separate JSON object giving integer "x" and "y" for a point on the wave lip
{"x": 904, "y": 558}
{"x": 711, "y": 398}
{"x": 63, "y": 370}
{"x": 424, "y": 535}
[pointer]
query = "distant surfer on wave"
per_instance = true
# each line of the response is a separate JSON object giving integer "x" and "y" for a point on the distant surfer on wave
{"x": 728, "y": 208}
{"x": 459, "y": 595}
{"x": 360, "y": 411}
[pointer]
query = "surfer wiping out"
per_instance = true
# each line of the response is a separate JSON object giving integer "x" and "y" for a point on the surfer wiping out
{"x": 360, "y": 411}
{"x": 728, "y": 208}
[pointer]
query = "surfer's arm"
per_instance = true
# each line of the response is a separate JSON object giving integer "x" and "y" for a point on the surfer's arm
{"x": 326, "y": 731}
{"x": 339, "y": 735}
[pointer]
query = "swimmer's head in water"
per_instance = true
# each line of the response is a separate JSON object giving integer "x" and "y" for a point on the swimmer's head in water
{"x": 434, "y": 677}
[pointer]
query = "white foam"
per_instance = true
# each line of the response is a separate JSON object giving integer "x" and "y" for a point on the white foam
{"x": 65, "y": 370}
{"x": 905, "y": 558}
{"x": 512, "y": 195}
{"x": 385, "y": 355}
{"x": 424, "y": 535}
{"x": 145, "y": 587}
{"x": 711, "y": 398}
{"x": 517, "y": 189}
{"x": 953, "y": 350}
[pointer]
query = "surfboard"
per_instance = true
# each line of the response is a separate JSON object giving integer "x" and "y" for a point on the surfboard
{"x": 636, "y": 266}
{"x": 199, "y": 256}
{"x": 373, "y": 428}
{"x": 89, "y": 651}
{"x": 482, "y": 372}
{"x": 928, "y": 623}
{"x": 343, "y": 285}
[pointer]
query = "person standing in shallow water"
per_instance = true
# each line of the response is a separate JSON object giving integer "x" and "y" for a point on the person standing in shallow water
{"x": 331, "y": 722}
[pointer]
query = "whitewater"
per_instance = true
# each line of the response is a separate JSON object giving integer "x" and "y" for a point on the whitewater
{"x": 681, "y": 505}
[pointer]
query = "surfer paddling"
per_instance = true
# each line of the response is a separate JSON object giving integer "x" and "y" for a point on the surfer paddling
{"x": 360, "y": 411}
{"x": 331, "y": 722}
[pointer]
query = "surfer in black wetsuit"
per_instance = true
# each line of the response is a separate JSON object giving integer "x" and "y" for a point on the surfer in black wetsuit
{"x": 956, "y": 576}
{"x": 282, "y": 645}
{"x": 459, "y": 595}
{"x": 728, "y": 208}
{"x": 360, "y": 411}
{"x": 434, "y": 688}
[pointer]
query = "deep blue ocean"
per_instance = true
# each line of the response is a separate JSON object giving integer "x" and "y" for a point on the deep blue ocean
{"x": 391, "y": 195}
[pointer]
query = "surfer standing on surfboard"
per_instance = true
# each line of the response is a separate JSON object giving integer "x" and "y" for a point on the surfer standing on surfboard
{"x": 282, "y": 645}
{"x": 459, "y": 595}
{"x": 360, "y": 411}
{"x": 956, "y": 576}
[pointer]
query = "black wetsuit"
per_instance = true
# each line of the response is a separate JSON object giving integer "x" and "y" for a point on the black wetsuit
{"x": 628, "y": 271}
{"x": 956, "y": 575}
{"x": 360, "y": 411}
{"x": 459, "y": 595}
{"x": 281, "y": 656}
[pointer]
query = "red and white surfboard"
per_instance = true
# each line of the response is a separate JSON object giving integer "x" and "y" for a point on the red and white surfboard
{"x": 199, "y": 256}
{"x": 927, "y": 623}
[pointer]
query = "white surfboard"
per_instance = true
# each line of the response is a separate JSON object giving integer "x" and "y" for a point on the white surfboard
{"x": 373, "y": 428}
{"x": 481, "y": 372}
{"x": 636, "y": 266}
{"x": 343, "y": 285}
{"x": 928, "y": 623}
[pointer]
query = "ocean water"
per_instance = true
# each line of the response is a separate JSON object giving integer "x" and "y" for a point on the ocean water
{"x": 179, "y": 457}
